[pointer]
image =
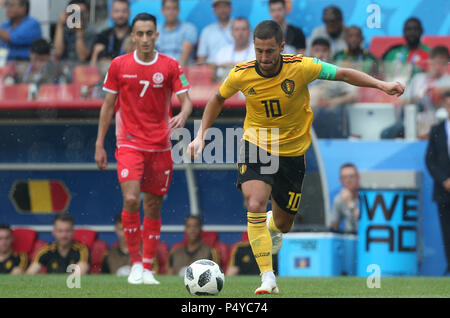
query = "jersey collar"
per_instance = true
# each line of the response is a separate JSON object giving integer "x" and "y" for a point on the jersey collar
{"x": 269, "y": 76}
{"x": 145, "y": 63}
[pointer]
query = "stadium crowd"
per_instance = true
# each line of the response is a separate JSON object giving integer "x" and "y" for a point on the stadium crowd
{"x": 79, "y": 56}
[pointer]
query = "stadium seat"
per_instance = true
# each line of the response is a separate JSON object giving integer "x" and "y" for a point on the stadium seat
{"x": 199, "y": 74}
{"x": 59, "y": 92}
{"x": 162, "y": 255}
{"x": 223, "y": 251}
{"x": 5, "y": 71}
{"x": 209, "y": 237}
{"x": 17, "y": 92}
{"x": 97, "y": 252}
{"x": 85, "y": 236}
{"x": 24, "y": 240}
{"x": 436, "y": 40}
{"x": 37, "y": 246}
{"x": 86, "y": 75}
{"x": 380, "y": 44}
{"x": 368, "y": 120}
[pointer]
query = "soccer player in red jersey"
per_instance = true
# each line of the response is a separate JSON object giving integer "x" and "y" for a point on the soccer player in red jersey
{"x": 139, "y": 87}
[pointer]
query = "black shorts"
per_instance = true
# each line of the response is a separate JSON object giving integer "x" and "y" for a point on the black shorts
{"x": 286, "y": 181}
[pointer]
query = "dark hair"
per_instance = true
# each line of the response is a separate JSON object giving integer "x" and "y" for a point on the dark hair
{"x": 26, "y": 4}
{"x": 440, "y": 51}
{"x": 268, "y": 29}
{"x": 5, "y": 227}
{"x": 177, "y": 2}
{"x": 283, "y": 2}
{"x": 79, "y": 2}
{"x": 348, "y": 165}
{"x": 41, "y": 47}
{"x": 447, "y": 94}
{"x": 118, "y": 218}
{"x": 143, "y": 16}
{"x": 415, "y": 20}
{"x": 123, "y": 1}
{"x": 242, "y": 19}
{"x": 64, "y": 217}
{"x": 334, "y": 11}
{"x": 321, "y": 41}
{"x": 195, "y": 217}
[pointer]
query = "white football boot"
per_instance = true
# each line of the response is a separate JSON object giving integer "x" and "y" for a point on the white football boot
{"x": 269, "y": 284}
{"x": 148, "y": 278}
{"x": 136, "y": 274}
{"x": 277, "y": 237}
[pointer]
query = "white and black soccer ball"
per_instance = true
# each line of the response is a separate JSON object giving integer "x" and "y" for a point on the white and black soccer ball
{"x": 204, "y": 277}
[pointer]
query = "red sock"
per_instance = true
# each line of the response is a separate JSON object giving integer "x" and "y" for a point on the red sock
{"x": 150, "y": 240}
{"x": 132, "y": 228}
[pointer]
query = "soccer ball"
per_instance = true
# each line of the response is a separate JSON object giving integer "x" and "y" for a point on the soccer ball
{"x": 204, "y": 277}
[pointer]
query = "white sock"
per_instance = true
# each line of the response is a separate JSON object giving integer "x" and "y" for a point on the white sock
{"x": 268, "y": 275}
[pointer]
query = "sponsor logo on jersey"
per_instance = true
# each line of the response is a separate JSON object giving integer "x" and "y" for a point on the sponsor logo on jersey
{"x": 251, "y": 91}
{"x": 130, "y": 76}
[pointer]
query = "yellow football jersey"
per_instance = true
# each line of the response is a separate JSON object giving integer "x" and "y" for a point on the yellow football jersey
{"x": 278, "y": 117}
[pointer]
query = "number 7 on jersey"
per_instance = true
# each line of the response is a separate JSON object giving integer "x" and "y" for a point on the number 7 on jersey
{"x": 144, "y": 89}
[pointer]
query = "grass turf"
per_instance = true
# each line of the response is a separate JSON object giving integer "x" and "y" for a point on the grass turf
{"x": 109, "y": 286}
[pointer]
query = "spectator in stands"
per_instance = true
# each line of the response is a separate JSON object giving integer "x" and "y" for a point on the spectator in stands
{"x": 216, "y": 35}
{"x": 242, "y": 261}
{"x": 293, "y": 36}
{"x": 194, "y": 249}
{"x": 10, "y": 262}
{"x": 117, "y": 260}
{"x": 20, "y": 31}
{"x": 110, "y": 41}
{"x": 3, "y": 16}
{"x": 74, "y": 42}
{"x": 355, "y": 56}
{"x": 328, "y": 99}
{"x": 332, "y": 30}
{"x": 64, "y": 251}
{"x": 41, "y": 69}
{"x": 240, "y": 51}
{"x": 413, "y": 54}
{"x": 176, "y": 39}
{"x": 438, "y": 164}
{"x": 426, "y": 91}
{"x": 346, "y": 202}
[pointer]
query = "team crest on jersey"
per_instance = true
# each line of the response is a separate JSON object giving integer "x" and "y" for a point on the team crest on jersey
{"x": 288, "y": 86}
{"x": 158, "y": 78}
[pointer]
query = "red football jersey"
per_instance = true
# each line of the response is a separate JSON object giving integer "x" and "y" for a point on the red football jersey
{"x": 143, "y": 102}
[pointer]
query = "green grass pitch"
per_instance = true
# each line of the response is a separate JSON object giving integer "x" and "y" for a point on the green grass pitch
{"x": 109, "y": 286}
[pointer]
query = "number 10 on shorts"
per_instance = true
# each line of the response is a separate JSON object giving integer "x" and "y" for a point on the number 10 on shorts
{"x": 294, "y": 201}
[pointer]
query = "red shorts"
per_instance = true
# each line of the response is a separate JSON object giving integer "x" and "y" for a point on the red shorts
{"x": 153, "y": 169}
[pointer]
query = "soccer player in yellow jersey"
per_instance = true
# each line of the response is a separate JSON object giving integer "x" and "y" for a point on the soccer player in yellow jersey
{"x": 277, "y": 99}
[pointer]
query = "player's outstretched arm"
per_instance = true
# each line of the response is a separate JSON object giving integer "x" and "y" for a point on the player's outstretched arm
{"x": 106, "y": 115}
{"x": 361, "y": 79}
{"x": 179, "y": 120}
{"x": 212, "y": 110}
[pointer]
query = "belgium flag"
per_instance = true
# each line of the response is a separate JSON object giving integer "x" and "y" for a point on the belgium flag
{"x": 40, "y": 196}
